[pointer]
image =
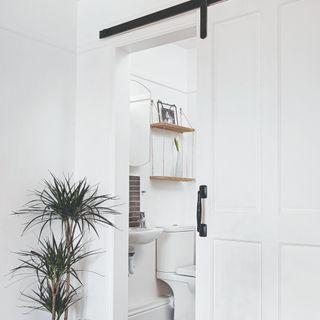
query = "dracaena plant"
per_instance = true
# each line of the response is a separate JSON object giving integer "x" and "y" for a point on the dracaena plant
{"x": 50, "y": 264}
{"x": 79, "y": 208}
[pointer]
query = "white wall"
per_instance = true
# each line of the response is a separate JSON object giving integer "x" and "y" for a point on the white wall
{"x": 167, "y": 71}
{"x": 37, "y": 95}
{"x": 100, "y": 156}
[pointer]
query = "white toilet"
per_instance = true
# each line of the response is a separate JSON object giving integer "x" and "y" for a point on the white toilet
{"x": 176, "y": 267}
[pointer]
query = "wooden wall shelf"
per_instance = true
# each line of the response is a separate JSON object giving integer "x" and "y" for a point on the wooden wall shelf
{"x": 171, "y": 127}
{"x": 169, "y": 178}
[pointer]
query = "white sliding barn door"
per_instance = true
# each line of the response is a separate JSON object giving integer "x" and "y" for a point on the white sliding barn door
{"x": 259, "y": 83}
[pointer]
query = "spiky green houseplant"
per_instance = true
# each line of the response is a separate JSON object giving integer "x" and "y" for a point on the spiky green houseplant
{"x": 79, "y": 208}
{"x": 50, "y": 263}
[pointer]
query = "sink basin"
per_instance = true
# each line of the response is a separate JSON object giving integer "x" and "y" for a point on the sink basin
{"x": 143, "y": 235}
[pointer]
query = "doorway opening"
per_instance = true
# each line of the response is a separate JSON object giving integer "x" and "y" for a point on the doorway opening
{"x": 162, "y": 189}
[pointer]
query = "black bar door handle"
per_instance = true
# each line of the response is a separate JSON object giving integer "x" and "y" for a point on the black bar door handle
{"x": 201, "y": 225}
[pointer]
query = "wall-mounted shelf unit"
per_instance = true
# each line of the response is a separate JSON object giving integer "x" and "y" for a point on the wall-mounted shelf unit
{"x": 165, "y": 133}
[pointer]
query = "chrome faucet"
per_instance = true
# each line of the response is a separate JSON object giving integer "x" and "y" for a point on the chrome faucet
{"x": 142, "y": 220}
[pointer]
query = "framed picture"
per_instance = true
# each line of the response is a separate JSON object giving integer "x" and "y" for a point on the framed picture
{"x": 167, "y": 113}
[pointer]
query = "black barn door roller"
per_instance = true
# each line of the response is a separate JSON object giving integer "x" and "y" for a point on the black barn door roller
{"x": 164, "y": 14}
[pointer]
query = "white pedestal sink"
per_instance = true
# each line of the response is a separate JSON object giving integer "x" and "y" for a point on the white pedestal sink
{"x": 143, "y": 235}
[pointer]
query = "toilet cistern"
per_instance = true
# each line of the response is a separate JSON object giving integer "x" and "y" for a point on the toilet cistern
{"x": 176, "y": 267}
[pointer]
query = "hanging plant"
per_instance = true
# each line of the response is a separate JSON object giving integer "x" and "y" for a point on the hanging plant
{"x": 79, "y": 208}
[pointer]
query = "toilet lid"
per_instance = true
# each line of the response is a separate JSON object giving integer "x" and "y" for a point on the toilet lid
{"x": 189, "y": 271}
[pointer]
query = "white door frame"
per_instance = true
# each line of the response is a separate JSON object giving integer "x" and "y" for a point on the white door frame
{"x": 169, "y": 31}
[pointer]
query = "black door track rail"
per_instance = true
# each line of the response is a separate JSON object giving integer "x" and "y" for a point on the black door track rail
{"x": 164, "y": 14}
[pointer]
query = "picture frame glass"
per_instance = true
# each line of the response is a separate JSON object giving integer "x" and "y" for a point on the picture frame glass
{"x": 167, "y": 113}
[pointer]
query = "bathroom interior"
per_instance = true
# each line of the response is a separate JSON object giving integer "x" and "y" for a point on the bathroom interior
{"x": 162, "y": 187}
